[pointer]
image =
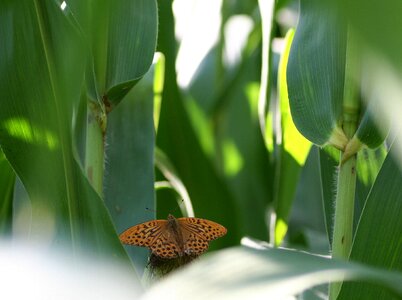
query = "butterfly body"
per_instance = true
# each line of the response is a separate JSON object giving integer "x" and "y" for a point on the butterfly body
{"x": 173, "y": 237}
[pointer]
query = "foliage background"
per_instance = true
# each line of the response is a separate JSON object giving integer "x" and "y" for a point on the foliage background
{"x": 95, "y": 137}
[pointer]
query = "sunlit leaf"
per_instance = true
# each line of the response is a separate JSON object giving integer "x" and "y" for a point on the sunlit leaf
{"x": 292, "y": 154}
{"x": 41, "y": 90}
{"x": 240, "y": 273}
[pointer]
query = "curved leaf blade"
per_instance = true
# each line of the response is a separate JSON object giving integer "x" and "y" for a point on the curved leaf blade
{"x": 42, "y": 88}
{"x": 378, "y": 239}
{"x": 316, "y": 74}
{"x": 122, "y": 37}
{"x": 293, "y": 151}
{"x": 7, "y": 179}
{"x": 240, "y": 273}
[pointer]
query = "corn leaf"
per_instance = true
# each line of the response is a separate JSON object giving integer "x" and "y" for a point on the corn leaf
{"x": 41, "y": 88}
{"x": 7, "y": 179}
{"x": 292, "y": 154}
{"x": 378, "y": 237}
{"x": 191, "y": 163}
{"x": 240, "y": 273}
{"x": 315, "y": 74}
{"x": 129, "y": 173}
{"x": 122, "y": 39}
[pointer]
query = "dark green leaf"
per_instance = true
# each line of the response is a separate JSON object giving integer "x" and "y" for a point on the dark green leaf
{"x": 378, "y": 237}
{"x": 7, "y": 179}
{"x": 40, "y": 89}
{"x": 129, "y": 173}
{"x": 209, "y": 194}
{"x": 316, "y": 74}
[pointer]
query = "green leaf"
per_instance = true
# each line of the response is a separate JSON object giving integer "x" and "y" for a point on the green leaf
{"x": 129, "y": 173}
{"x": 7, "y": 179}
{"x": 382, "y": 34}
{"x": 316, "y": 74}
{"x": 169, "y": 172}
{"x": 378, "y": 237}
{"x": 122, "y": 37}
{"x": 209, "y": 194}
{"x": 372, "y": 130}
{"x": 292, "y": 154}
{"x": 245, "y": 273}
{"x": 41, "y": 88}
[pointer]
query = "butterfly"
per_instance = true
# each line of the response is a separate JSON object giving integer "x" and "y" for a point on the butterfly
{"x": 173, "y": 237}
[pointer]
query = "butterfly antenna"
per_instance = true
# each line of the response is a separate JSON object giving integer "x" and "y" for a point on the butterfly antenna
{"x": 150, "y": 209}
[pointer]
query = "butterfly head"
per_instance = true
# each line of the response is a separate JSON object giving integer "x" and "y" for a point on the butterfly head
{"x": 171, "y": 217}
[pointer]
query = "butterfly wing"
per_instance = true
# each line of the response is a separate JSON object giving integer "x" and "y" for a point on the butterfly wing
{"x": 193, "y": 243}
{"x": 206, "y": 229}
{"x": 165, "y": 245}
{"x": 198, "y": 232}
{"x": 143, "y": 234}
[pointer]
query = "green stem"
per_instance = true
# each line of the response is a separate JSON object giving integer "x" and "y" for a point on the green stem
{"x": 94, "y": 154}
{"x": 344, "y": 208}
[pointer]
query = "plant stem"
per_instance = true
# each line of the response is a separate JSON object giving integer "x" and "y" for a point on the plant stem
{"x": 94, "y": 154}
{"x": 345, "y": 198}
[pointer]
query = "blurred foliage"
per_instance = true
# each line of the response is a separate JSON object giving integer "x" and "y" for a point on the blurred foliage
{"x": 223, "y": 144}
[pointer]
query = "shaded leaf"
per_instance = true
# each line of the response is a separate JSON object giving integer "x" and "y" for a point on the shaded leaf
{"x": 7, "y": 179}
{"x": 42, "y": 89}
{"x": 378, "y": 236}
{"x": 129, "y": 168}
{"x": 316, "y": 74}
{"x": 188, "y": 159}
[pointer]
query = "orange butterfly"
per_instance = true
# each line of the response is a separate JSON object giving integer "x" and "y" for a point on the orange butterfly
{"x": 174, "y": 237}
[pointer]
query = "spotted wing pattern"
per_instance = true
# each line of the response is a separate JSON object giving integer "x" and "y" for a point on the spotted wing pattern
{"x": 165, "y": 242}
{"x": 197, "y": 233}
{"x": 205, "y": 229}
{"x": 144, "y": 234}
{"x": 165, "y": 246}
{"x": 194, "y": 244}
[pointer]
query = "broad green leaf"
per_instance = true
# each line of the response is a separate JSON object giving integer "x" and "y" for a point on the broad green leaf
{"x": 7, "y": 179}
{"x": 378, "y": 237}
{"x": 382, "y": 34}
{"x": 315, "y": 74}
{"x": 129, "y": 173}
{"x": 369, "y": 133}
{"x": 176, "y": 138}
{"x": 122, "y": 37}
{"x": 307, "y": 219}
{"x": 293, "y": 151}
{"x": 42, "y": 73}
{"x": 245, "y": 273}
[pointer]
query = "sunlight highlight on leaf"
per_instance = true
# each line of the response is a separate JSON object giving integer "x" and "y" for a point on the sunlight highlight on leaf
{"x": 280, "y": 231}
{"x": 22, "y": 129}
{"x": 252, "y": 90}
{"x": 233, "y": 161}
{"x": 293, "y": 141}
